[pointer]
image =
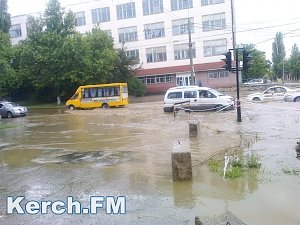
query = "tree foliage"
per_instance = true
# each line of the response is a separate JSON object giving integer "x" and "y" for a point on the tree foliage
{"x": 8, "y": 79}
{"x": 4, "y": 17}
{"x": 260, "y": 67}
{"x": 294, "y": 62}
{"x": 278, "y": 54}
{"x": 55, "y": 59}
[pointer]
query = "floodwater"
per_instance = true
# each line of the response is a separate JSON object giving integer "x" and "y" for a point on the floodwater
{"x": 52, "y": 154}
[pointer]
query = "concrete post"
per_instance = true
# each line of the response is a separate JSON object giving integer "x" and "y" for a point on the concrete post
{"x": 198, "y": 221}
{"x": 181, "y": 162}
{"x": 298, "y": 150}
{"x": 194, "y": 127}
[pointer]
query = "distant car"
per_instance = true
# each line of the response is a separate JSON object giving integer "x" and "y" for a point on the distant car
{"x": 273, "y": 93}
{"x": 196, "y": 98}
{"x": 11, "y": 109}
{"x": 292, "y": 97}
{"x": 255, "y": 81}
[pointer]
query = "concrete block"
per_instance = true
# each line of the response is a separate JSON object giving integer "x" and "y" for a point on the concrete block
{"x": 194, "y": 128}
{"x": 181, "y": 162}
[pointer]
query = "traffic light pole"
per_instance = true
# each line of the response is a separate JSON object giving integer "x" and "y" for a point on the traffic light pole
{"x": 238, "y": 104}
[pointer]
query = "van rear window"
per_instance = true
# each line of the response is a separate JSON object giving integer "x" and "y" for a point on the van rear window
{"x": 175, "y": 95}
{"x": 190, "y": 94}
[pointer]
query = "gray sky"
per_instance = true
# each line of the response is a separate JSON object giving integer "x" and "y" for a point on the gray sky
{"x": 271, "y": 15}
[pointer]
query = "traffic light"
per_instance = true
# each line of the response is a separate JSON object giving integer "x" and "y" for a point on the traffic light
{"x": 227, "y": 61}
{"x": 246, "y": 60}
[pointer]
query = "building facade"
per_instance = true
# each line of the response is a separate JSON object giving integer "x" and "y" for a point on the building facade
{"x": 157, "y": 32}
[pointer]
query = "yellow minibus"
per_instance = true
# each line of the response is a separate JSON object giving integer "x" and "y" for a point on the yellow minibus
{"x": 99, "y": 95}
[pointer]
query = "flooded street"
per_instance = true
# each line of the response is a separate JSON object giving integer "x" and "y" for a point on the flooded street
{"x": 53, "y": 154}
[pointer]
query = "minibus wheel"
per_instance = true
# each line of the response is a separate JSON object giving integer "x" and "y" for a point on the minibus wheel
{"x": 105, "y": 106}
{"x": 71, "y": 107}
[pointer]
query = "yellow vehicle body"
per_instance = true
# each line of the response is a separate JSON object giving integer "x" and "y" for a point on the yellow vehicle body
{"x": 99, "y": 95}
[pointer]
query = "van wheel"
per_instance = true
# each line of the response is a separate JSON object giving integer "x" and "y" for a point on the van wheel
{"x": 168, "y": 109}
{"x": 218, "y": 107}
{"x": 9, "y": 115}
{"x": 297, "y": 99}
{"x": 105, "y": 106}
{"x": 71, "y": 107}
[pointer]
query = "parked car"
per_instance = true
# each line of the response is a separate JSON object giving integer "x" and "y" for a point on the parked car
{"x": 196, "y": 98}
{"x": 11, "y": 109}
{"x": 273, "y": 93}
{"x": 255, "y": 81}
{"x": 292, "y": 97}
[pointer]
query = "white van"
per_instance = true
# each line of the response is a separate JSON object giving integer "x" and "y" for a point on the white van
{"x": 196, "y": 98}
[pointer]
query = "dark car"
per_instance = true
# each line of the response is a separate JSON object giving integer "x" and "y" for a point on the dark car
{"x": 11, "y": 109}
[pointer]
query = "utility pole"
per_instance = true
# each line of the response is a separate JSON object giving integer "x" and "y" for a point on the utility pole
{"x": 238, "y": 103}
{"x": 191, "y": 53}
{"x": 236, "y": 53}
{"x": 283, "y": 69}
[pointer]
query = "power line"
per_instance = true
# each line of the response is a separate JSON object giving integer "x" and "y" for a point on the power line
{"x": 273, "y": 38}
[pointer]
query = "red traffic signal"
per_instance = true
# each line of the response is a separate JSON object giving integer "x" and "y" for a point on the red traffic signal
{"x": 227, "y": 61}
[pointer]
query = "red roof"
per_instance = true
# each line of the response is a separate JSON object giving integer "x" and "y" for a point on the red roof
{"x": 178, "y": 69}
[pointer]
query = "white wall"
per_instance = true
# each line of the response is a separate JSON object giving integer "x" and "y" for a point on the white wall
{"x": 198, "y": 36}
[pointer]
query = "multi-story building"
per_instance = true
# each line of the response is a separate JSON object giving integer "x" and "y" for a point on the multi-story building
{"x": 157, "y": 32}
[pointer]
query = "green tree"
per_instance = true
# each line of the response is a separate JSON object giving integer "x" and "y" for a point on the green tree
{"x": 278, "y": 54}
{"x": 124, "y": 72}
{"x": 259, "y": 65}
{"x": 8, "y": 79}
{"x": 44, "y": 56}
{"x": 294, "y": 62}
{"x": 4, "y": 17}
{"x": 54, "y": 60}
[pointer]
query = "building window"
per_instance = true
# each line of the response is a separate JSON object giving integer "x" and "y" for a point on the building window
{"x": 215, "y": 47}
{"x": 169, "y": 78}
{"x": 15, "y": 31}
{"x": 100, "y": 15}
{"x": 182, "y": 51}
{"x": 160, "y": 79}
{"x": 126, "y": 11}
{"x": 211, "y": 2}
{"x": 154, "y": 30}
{"x": 157, "y": 54}
{"x": 80, "y": 19}
{"x": 150, "y": 80}
{"x": 128, "y": 34}
{"x": 223, "y": 73}
{"x": 213, "y": 74}
{"x": 181, "y": 26}
{"x": 181, "y": 4}
{"x": 152, "y": 7}
{"x": 214, "y": 22}
{"x": 132, "y": 54}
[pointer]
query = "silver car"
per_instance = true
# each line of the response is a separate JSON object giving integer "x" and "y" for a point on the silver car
{"x": 292, "y": 97}
{"x": 11, "y": 109}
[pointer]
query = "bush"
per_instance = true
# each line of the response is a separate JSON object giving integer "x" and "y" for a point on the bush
{"x": 252, "y": 161}
{"x": 136, "y": 87}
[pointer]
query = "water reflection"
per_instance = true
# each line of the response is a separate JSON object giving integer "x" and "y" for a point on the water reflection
{"x": 183, "y": 194}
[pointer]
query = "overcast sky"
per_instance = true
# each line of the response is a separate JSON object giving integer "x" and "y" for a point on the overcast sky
{"x": 250, "y": 15}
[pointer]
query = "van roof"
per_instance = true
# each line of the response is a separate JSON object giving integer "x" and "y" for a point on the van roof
{"x": 189, "y": 87}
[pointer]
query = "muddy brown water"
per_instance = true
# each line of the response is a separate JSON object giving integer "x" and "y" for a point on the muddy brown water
{"x": 52, "y": 154}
